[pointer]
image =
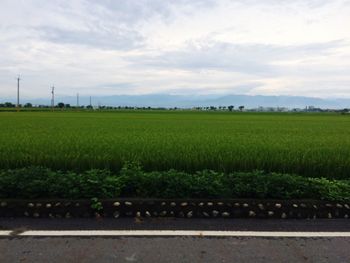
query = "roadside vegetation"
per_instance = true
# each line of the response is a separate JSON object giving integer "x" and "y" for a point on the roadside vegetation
{"x": 132, "y": 181}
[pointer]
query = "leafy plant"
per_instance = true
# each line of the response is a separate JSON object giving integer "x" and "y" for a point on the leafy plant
{"x": 133, "y": 181}
{"x": 96, "y": 204}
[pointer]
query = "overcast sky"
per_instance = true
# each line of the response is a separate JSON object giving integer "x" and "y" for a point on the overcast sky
{"x": 265, "y": 47}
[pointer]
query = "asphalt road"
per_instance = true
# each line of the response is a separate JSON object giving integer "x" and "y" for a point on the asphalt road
{"x": 177, "y": 224}
{"x": 174, "y": 249}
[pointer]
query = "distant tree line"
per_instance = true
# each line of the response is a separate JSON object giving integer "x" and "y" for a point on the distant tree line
{"x": 230, "y": 108}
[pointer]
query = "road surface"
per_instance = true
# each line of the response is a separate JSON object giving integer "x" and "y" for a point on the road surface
{"x": 19, "y": 243}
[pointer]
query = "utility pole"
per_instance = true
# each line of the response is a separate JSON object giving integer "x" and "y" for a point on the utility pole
{"x": 17, "y": 105}
{"x": 77, "y": 100}
{"x": 90, "y": 102}
{"x": 53, "y": 98}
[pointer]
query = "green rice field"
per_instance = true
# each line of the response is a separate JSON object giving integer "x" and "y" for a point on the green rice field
{"x": 313, "y": 145}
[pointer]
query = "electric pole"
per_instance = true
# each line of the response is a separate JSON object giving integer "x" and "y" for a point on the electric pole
{"x": 17, "y": 105}
{"x": 53, "y": 98}
{"x": 90, "y": 103}
{"x": 77, "y": 100}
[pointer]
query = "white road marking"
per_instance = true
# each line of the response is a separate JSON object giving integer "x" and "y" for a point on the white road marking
{"x": 5, "y": 232}
{"x": 172, "y": 233}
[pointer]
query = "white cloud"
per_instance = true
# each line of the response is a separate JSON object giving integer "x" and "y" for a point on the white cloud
{"x": 299, "y": 47}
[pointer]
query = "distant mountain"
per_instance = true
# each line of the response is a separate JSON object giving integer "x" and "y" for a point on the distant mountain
{"x": 189, "y": 101}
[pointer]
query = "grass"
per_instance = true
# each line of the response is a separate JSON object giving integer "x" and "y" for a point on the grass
{"x": 313, "y": 145}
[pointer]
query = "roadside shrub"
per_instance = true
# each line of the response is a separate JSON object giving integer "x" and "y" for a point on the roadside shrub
{"x": 132, "y": 181}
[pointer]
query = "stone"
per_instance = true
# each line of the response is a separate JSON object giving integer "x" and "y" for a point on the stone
{"x": 346, "y": 216}
{"x": 68, "y": 215}
{"x": 48, "y": 205}
{"x": 58, "y": 204}
{"x": 277, "y": 205}
{"x": 302, "y": 205}
{"x": 295, "y": 205}
{"x": 30, "y": 205}
{"x": 3, "y": 204}
{"x": 39, "y": 204}
{"x": 138, "y": 214}
{"x": 261, "y": 206}
{"x": 339, "y": 205}
{"x": 201, "y": 204}
{"x": 225, "y": 214}
{"x": 67, "y": 204}
{"x": 284, "y": 216}
{"x": 315, "y": 206}
{"x": 329, "y": 215}
{"x": 206, "y": 214}
{"x": 245, "y": 205}
{"x": 155, "y": 213}
{"x": 181, "y": 214}
{"x": 210, "y": 204}
{"x": 173, "y": 204}
{"x": 252, "y": 213}
{"x": 163, "y": 204}
{"x": 270, "y": 213}
{"x": 148, "y": 214}
{"x": 36, "y": 215}
{"x": 347, "y": 206}
{"x": 172, "y": 213}
{"x": 220, "y": 203}
{"x": 51, "y": 215}
{"x": 163, "y": 213}
{"x": 329, "y": 205}
{"x": 26, "y": 213}
{"x": 184, "y": 204}
{"x": 77, "y": 204}
{"x": 190, "y": 214}
{"x": 236, "y": 205}
{"x": 128, "y": 203}
{"x": 116, "y": 204}
{"x": 116, "y": 214}
{"x": 215, "y": 213}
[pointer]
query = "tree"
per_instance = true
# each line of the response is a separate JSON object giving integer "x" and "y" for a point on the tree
{"x": 9, "y": 105}
{"x": 60, "y": 105}
{"x": 241, "y": 108}
{"x": 231, "y": 107}
{"x": 28, "y": 105}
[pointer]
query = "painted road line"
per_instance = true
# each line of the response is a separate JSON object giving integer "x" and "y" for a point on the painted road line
{"x": 5, "y": 232}
{"x": 170, "y": 233}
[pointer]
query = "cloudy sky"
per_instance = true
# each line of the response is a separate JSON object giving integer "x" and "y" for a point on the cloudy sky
{"x": 265, "y": 47}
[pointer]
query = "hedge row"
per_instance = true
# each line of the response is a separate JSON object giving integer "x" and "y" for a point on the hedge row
{"x": 132, "y": 181}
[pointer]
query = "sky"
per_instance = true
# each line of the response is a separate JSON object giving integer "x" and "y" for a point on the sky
{"x": 193, "y": 47}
